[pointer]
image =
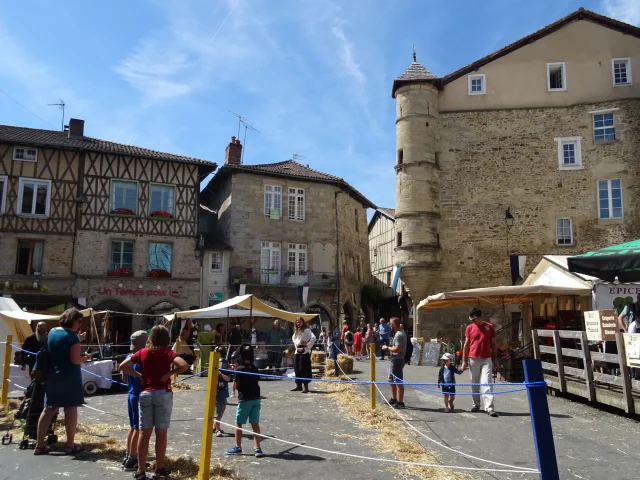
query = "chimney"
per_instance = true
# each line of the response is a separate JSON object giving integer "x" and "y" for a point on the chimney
{"x": 233, "y": 153}
{"x": 76, "y": 128}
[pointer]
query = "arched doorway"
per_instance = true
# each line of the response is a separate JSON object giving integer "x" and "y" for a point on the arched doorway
{"x": 153, "y": 316}
{"x": 119, "y": 325}
{"x": 322, "y": 320}
{"x": 349, "y": 313}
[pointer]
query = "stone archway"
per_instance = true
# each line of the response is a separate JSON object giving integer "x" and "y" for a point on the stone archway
{"x": 350, "y": 314}
{"x": 152, "y": 316}
{"x": 275, "y": 301}
{"x": 324, "y": 318}
{"x": 118, "y": 324}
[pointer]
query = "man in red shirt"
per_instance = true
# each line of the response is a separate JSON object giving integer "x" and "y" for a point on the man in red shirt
{"x": 480, "y": 354}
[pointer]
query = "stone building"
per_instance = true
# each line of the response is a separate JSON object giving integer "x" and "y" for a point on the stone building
{"x": 98, "y": 224}
{"x": 299, "y": 236}
{"x": 545, "y": 131}
{"x": 382, "y": 235}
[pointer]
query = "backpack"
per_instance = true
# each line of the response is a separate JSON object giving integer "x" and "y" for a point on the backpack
{"x": 348, "y": 337}
{"x": 408, "y": 353}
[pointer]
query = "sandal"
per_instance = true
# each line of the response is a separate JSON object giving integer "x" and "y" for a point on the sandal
{"x": 139, "y": 475}
{"x": 41, "y": 451}
{"x": 161, "y": 473}
{"x": 73, "y": 450}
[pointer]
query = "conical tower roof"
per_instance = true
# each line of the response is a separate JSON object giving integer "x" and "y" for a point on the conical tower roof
{"x": 415, "y": 73}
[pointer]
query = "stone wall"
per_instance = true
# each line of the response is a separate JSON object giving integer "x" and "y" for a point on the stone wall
{"x": 492, "y": 160}
{"x": 56, "y": 253}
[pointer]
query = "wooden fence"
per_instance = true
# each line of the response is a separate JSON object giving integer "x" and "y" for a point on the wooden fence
{"x": 571, "y": 370}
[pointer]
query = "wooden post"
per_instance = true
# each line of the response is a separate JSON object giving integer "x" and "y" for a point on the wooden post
{"x": 536, "y": 344}
{"x": 624, "y": 372}
{"x": 209, "y": 412}
{"x": 6, "y": 370}
{"x": 588, "y": 367}
{"x": 559, "y": 361}
{"x": 372, "y": 358}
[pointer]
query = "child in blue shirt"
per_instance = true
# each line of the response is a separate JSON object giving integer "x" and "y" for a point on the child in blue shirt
{"x": 221, "y": 398}
{"x": 447, "y": 375}
{"x": 130, "y": 462}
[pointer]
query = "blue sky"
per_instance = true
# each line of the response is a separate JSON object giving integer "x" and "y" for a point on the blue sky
{"x": 314, "y": 76}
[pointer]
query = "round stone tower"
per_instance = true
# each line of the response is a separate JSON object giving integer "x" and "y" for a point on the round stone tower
{"x": 417, "y": 179}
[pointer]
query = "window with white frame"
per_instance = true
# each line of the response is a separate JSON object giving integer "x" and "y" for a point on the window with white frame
{"x": 124, "y": 197}
{"x": 161, "y": 200}
{"x": 34, "y": 197}
{"x": 564, "y": 231}
{"x": 569, "y": 153}
{"x": 610, "y": 198}
{"x": 477, "y": 84}
{"x": 556, "y": 76}
{"x": 25, "y": 154}
{"x": 603, "y": 128}
{"x": 272, "y": 201}
{"x": 121, "y": 255}
{"x": 3, "y": 193}
{"x": 216, "y": 261}
{"x": 621, "y": 69}
{"x": 297, "y": 259}
{"x": 296, "y": 204}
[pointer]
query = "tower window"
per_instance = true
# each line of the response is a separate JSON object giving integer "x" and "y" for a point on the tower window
{"x": 556, "y": 76}
{"x": 399, "y": 239}
{"x": 355, "y": 211}
{"x": 400, "y": 156}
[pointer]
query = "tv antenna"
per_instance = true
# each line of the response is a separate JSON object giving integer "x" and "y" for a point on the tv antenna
{"x": 248, "y": 125}
{"x": 295, "y": 157}
{"x": 61, "y": 106}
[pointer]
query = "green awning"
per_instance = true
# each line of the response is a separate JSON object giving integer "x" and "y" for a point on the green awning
{"x": 622, "y": 261}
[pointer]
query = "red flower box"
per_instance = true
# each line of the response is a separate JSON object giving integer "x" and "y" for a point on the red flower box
{"x": 161, "y": 214}
{"x": 120, "y": 272}
{"x": 159, "y": 273}
{"x": 122, "y": 211}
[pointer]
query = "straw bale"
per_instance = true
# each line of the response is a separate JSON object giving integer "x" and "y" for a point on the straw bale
{"x": 345, "y": 362}
{"x": 317, "y": 356}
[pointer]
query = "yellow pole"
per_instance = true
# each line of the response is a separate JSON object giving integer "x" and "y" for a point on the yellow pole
{"x": 175, "y": 376}
{"x": 372, "y": 359}
{"x": 5, "y": 370}
{"x": 209, "y": 412}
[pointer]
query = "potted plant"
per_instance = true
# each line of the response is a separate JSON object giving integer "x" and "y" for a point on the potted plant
{"x": 159, "y": 273}
{"x": 120, "y": 272}
{"x": 122, "y": 211}
{"x": 161, "y": 214}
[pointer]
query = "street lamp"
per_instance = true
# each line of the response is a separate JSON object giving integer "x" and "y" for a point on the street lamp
{"x": 508, "y": 218}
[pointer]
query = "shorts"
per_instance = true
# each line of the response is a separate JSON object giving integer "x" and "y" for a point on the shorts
{"x": 357, "y": 346}
{"x": 221, "y": 406}
{"x": 397, "y": 366}
{"x": 248, "y": 410}
{"x": 155, "y": 409}
{"x": 133, "y": 404}
{"x": 449, "y": 389}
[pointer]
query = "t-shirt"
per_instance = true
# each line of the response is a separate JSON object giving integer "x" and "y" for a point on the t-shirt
{"x": 399, "y": 339}
{"x": 335, "y": 336}
{"x": 385, "y": 331}
{"x": 134, "y": 383}
{"x": 154, "y": 364}
{"x": 344, "y": 330}
{"x": 223, "y": 390}
{"x": 357, "y": 338}
{"x": 480, "y": 339}
{"x": 634, "y": 327}
{"x": 248, "y": 387}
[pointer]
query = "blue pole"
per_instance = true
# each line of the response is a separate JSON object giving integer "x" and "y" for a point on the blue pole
{"x": 541, "y": 421}
{"x": 334, "y": 355}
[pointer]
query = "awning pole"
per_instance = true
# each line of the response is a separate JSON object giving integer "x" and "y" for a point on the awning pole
{"x": 95, "y": 329}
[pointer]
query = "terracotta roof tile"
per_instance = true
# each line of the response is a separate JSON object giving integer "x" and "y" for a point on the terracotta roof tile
{"x": 52, "y": 138}
{"x": 417, "y": 71}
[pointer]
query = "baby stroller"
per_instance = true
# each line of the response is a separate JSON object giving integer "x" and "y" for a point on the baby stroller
{"x": 29, "y": 413}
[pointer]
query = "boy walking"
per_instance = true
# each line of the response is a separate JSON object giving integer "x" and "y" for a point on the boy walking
{"x": 246, "y": 383}
{"x": 130, "y": 462}
{"x": 221, "y": 398}
{"x": 446, "y": 375}
{"x": 158, "y": 363}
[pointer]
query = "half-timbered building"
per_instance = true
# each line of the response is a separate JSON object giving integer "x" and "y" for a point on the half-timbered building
{"x": 100, "y": 223}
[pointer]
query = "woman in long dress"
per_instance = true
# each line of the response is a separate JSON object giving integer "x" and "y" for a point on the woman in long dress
{"x": 303, "y": 339}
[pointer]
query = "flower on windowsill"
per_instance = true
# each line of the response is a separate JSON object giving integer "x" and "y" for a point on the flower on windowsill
{"x": 120, "y": 272}
{"x": 161, "y": 214}
{"x": 122, "y": 211}
{"x": 159, "y": 273}
{"x": 302, "y": 273}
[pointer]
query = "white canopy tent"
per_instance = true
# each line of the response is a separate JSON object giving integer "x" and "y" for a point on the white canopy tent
{"x": 254, "y": 308}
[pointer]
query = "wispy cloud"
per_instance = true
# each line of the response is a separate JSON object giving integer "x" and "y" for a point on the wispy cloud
{"x": 627, "y": 11}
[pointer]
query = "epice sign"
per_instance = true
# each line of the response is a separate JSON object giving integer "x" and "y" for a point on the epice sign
{"x": 601, "y": 325}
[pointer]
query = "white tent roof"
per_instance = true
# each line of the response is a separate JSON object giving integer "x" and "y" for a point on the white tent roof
{"x": 249, "y": 302}
{"x": 222, "y": 313}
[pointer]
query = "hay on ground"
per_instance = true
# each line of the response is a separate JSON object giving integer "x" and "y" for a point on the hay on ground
{"x": 318, "y": 357}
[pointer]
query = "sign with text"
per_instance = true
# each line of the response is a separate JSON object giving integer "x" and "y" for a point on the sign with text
{"x": 136, "y": 292}
{"x": 632, "y": 348}
{"x": 601, "y": 325}
{"x": 609, "y": 295}
{"x": 431, "y": 354}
